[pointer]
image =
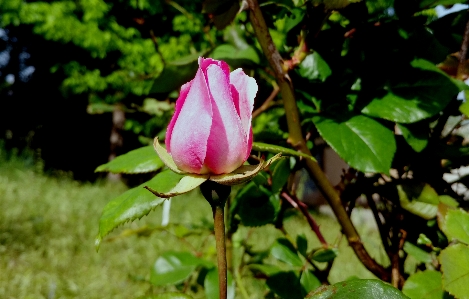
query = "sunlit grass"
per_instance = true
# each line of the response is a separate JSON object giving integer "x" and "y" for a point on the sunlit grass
{"x": 48, "y": 225}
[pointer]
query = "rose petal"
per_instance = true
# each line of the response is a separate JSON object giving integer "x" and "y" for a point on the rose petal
{"x": 189, "y": 136}
{"x": 226, "y": 147}
{"x": 204, "y": 63}
{"x": 179, "y": 103}
{"x": 247, "y": 89}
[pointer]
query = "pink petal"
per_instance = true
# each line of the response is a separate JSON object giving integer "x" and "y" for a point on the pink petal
{"x": 191, "y": 130}
{"x": 179, "y": 103}
{"x": 247, "y": 89}
{"x": 249, "y": 147}
{"x": 226, "y": 147}
{"x": 204, "y": 63}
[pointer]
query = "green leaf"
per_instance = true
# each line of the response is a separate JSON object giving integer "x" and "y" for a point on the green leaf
{"x": 362, "y": 142}
{"x": 236, "y": 56}
{"x": 100, "y": 108}
{"x": 455, "y": 267}
{"x": 418, "y": 253}
{"x": 416, "y": 135}
{"x": 188, "y": 183}
{"x": 175, "y": 74}
{"x": 286, "y": 285}
{"x": 297, "y": 15}
{"x": 324, "y": 255}
{"x": 424, "y": 285}
{"x": 243, "y": 173}
{"x": 267, "y": 269}
{"x": 357, "y": 289}
{"x": 222, "y": 12}
{"x": 309, "y": 281}
{"x": 433, "y": 3}
{"x": 173, "y": 268}
{"x": 448, "y": 200}
{"x": 421, "y": 200}
{"x": 276, "y": 149}
{"x": 302, "y": 245}
{"x": 464, "y": 108}
{"x": 141, "y": 160}
{"x": 255, "y": 206}
{"x": 457, "y": 225}
{"x": 284, "y": 251}
{"x": 280, "y": 175}
{"x": 313, "y": 67}
{"x": 414, "y": 96}
{"x": 134, "y": 203}
{"x": 212, "y": 289}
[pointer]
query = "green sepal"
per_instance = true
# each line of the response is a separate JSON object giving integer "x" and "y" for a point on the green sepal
{"x": 188, "y": 183}
{"x": 166, "y": 157}
{"x": 243, "y": 173}
{"x": 276, "y": 149}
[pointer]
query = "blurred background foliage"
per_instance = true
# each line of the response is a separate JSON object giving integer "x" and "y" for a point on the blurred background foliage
{"x": 381, "y": 82}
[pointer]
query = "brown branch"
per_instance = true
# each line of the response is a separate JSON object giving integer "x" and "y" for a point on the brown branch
{"x": 267, "y": 103}
{"x": 297, "y": 141}
{"x": 381, "y": 227}
{"x": 301, "y": 206}
{"x": 462, "y": 54}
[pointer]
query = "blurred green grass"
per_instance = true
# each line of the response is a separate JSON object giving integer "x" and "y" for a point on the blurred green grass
{"x": 48, "y": 225}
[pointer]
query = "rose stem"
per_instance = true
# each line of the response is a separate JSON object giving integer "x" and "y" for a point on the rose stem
{"x": 216, "y": 196}
{"x": 219, "y": 225}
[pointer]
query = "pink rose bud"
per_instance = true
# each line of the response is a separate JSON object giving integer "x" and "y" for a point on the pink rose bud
{"x": 210, "y": 131}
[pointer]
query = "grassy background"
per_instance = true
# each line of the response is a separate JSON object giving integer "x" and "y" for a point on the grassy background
{"x": 48, "y": 225}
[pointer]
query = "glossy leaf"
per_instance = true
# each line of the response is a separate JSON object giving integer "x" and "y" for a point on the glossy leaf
{"x": 418, "y": 95}
{"x": 212, "y": 290}
{"x": 421, "y": 200}
{"x": 276, "y": 149}
{"x": 418, "y": 253}
{"x": 357, "y": 289}
{"x": 313, "y": 67}
{"x": 361, "y": 141}
{"x": 295, "y": 18}
{"x": 302, "y": 245}
{"x": 457, "y": 225}
{"x": 455, "y": 267}
{"x": 325, "y": 254}
{"x": 173, "y": 268}
{"x": 286, "y": 285}
{"x": 416, "y": 135}
{"x": 222, "y": 12}
{"x": 280, "y": 175}
{"x": 464, "y": 108}
{"x": 175, "y": 74}
{"x": 134, "y": 203}
{"x": 309, "y": 281}
{"x": 284, "y": 251}
{"x": 424, "y": 285}
{"x": 140, "y": 160}
{"x": 234, "y": 55}
{"x": 255, "y": 206}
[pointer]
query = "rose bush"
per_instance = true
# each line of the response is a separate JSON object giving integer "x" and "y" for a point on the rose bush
{"x": 210, "y": 131}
